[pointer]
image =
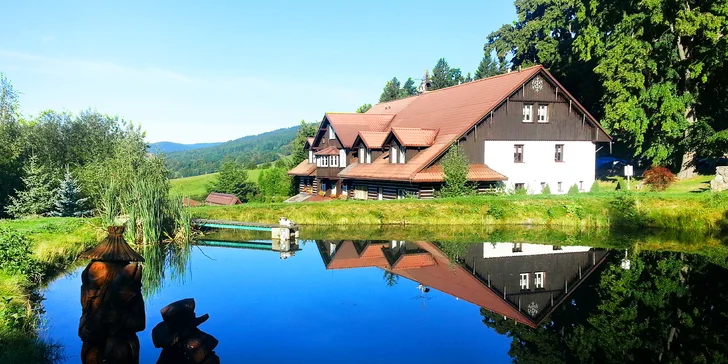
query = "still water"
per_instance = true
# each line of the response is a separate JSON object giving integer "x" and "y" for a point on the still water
{"x": 334, "y": 301}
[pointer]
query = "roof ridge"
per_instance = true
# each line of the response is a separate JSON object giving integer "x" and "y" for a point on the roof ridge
{"x": 484, "y": 79}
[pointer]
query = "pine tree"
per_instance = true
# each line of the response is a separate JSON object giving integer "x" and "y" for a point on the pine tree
{"x": 408, "y": 89}
{"x": 37, "y": 197}
{"x": 391, "y": 91}
{"x": 364, "y": 108}
{"x": 488, "y": 67}
{"x": 68, "y": 200}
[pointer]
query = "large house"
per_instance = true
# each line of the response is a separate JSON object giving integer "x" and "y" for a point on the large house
{"x": 521, "y": 128}
{"x": 524, "y": 282}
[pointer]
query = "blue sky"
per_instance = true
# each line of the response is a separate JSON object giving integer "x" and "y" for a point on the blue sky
{"x": 214, "y": 71}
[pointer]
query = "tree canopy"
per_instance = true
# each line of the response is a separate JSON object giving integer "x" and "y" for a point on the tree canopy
{"x": 393, "y": 90}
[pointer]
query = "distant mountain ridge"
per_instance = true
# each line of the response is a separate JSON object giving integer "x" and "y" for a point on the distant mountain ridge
{"x": 249, "y": 150}
{"x": 170, "y": 147}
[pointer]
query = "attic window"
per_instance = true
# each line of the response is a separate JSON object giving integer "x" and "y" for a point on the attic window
{"x": 332, "y": 135}
{"x": 527, "y": 113}
{"x": 397, "y": 154}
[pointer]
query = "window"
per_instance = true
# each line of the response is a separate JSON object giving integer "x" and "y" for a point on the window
{"x": 402, "y": 155}
{"x": 369, "y": 156}
{"x": 560, "y": 186}
{"x": 557, "y": 247}
{"x": 324, "y": 161}
{"x": 517, "y": 247}
{"x": 543, "y": 113}
{"x": 311, "y": 159}
{"x": 518, "y": 153}
{"x": 334, "y": 160}
{"x": 559, "y": 153}
{"x": 581, "y": 185}
{"x": 538, "y": 280}
{"x": 342, "y": 158}
{"x": 401, "y": 193}
{"x": 362, "y": 155}
{"x": 332, "y": 135}
{"x": 520, "y": 186}
{"x": 524, "y": 281}
{"x": 393, "y": 157}
{"x": 543, "y": 185}
{"x": 527, "y": 113}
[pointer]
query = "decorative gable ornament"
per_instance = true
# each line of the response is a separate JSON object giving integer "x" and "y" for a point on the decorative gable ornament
{"x": 537, "y": 84}
{"x": 533, "y": 309}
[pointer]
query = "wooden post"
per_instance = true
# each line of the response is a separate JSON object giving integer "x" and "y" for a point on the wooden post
{"x": 488, "y": 280}
{"x": 579, "y": 272}
{"x": 504, "y": 292}
{"x": 569, "y": 107}
{"x": 566, "y": 284}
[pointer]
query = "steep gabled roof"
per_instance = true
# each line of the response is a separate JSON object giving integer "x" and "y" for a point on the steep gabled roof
{"x": 414, "y": 137}
{"x": 372, "y": 139}
{"x": 391, "y": 107}
{"x": 348, "y": 125}
{"x": 328, "y": 151}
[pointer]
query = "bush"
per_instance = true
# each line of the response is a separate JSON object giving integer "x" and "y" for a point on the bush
{"x": 546, "y": 190}
{"x": 594, "y": 187}
{"x": 573, "y": 190}
{"x": 497, "y": 211}
{"x": 623, "y": 210}
{"x": 16, "y": 255}
{"x": 658, "y": 178}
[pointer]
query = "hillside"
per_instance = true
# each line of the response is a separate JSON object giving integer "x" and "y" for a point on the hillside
{"x": 250, "y": 150}
{"x": 170, "y": 147}
{"x": 195, "y": 187}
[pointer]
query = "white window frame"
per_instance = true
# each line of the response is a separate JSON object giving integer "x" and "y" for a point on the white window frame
{"x": 334, "y": 160}
{"x": 543, "y": 113}
{"x": 362, "y": 155}
{"x": 527, "y": 113}
{"x": 369, "y": 156}
{"x": 393, "y": 154}
{"x": 538, "y": 280}
{"x": 523, "y": 280}
{"x": 556, "y": 152}
{"x": 402, "y": 155}
{"x": 342, "y": 158}
{"x": 560, "y": 186}
{"x": 324, "y": 161}
{"x": 311, "y": 158}
{"x": 332, "y": 135}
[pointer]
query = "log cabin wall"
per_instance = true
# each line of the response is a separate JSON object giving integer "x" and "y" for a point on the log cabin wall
{"x": 390, "y": 189}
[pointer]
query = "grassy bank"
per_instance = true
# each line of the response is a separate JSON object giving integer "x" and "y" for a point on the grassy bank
{"x": 682, "y": 211}
{"x": 195, "y": 187}
{"x": 41, "y": 248}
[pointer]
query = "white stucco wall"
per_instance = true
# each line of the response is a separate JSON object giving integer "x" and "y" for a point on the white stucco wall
{"x": 539, "y": 165}
{"x": 497, "y": 250}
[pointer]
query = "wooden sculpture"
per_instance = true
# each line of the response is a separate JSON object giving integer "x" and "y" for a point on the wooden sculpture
{"x": 112, "y": 302}
{"x": 180, "y": 339}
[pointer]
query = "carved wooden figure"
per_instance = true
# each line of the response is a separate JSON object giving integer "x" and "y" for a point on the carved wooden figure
{"x": 112, "y": 302}
{"x": 180, "y": 339}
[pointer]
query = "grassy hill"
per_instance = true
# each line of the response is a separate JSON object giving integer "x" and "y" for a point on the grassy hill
{"x": 170, "y": 147}
{"x": 253, "y": 150}
{"x": 195, "y": 187}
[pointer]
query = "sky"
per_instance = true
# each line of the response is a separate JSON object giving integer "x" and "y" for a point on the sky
{"x": 194, "y": 71}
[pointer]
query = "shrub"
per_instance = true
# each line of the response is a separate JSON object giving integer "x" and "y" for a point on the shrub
{"x": 546, "y": 190}
{"x": 658, "y": 178}
{"x": 497, "y": 211}
{"x": 520, "y": 191}
{"x": 16, "y": 255}
{"x": 594, "y": 187}
{"x": 573, "y": 190}
{"x": 621, "y": 184}
{"x": 623, "y": 210}
{"x": 455, "y": 167}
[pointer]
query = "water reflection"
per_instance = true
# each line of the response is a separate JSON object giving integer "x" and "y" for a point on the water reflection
{"x": 524, "y": 282}
{"x": 180, "y": 339}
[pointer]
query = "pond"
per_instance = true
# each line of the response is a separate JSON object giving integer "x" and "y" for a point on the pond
{"x": 362, "y": 301}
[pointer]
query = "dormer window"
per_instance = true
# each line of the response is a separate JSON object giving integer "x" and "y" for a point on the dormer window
{"x": 365, "y": 155}
{"x": 332, "y": 135}
{"x": 397, "y": 154}
{"x": 310, "y": 157}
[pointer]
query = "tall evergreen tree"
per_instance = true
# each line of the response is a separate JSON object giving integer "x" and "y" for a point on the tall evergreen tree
{"x": 488, "y": 67}
{"x": 69, "y": 201}
{"x": 408, "y": 89}
{"x": 467, "y": 78}
{"x": 444, "y": 76}
{"x": 391, "y": 91}
{"x": 38, "y": 194}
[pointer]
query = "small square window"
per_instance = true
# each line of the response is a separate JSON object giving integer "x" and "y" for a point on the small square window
{"x": 527, "y": 113}
{"x": 559, "y": 153}
{"x": 560, "y": 186}
{"x": 518, "y": 153}
{"x": 520, "y": 186}
{"x": 517, "y": 247}
{"x": 538, "y": 280}
{"x": 523, "y": 281}
{"x": 581, "y": 185}
{"x": 543, "y": 113}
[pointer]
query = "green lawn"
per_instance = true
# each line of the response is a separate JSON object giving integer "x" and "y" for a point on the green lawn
{"x": 195, "y": 187}
{"x": 696, "y": 184}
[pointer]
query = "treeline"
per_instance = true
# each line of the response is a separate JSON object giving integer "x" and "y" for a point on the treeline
{"x": 249, "y": 151}
{"x": 62, "y": 164}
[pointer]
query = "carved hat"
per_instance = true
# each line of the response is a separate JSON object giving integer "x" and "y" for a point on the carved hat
{"x": 113, "y": 248}
{"x": 177, "y": 317}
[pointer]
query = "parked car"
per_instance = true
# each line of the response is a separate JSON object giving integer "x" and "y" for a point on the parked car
{"x": 609, "y": 166}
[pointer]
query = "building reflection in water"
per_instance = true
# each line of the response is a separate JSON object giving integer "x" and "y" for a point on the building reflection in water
{"x": 112, "y": 302}
{"x": 524, "y": 282}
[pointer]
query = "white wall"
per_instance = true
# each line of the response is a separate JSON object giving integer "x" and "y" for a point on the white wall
{"x": 495, "y": 250}
{"x": 539, "y": 164}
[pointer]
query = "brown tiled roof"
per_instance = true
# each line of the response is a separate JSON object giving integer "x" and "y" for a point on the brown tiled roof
{"x": 373, "y": 139}
{"x": 346, "y": 257}
{"x": 328, "y": 151}
{"x": 415, "y": 137}
{"x": 215, "y": 198}
{"x": 391, "y": 107}
{"x": 478, "y": 172}
{"x": 303, "y": 169}
{"x": 453, "y": 110}
{"x": 417, "y": 260}
{"x": 348, "y": 125}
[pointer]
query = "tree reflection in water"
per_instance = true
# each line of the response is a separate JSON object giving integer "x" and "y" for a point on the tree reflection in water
{"x": 668, "y": 307}
{"x": 173, "y": 258}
